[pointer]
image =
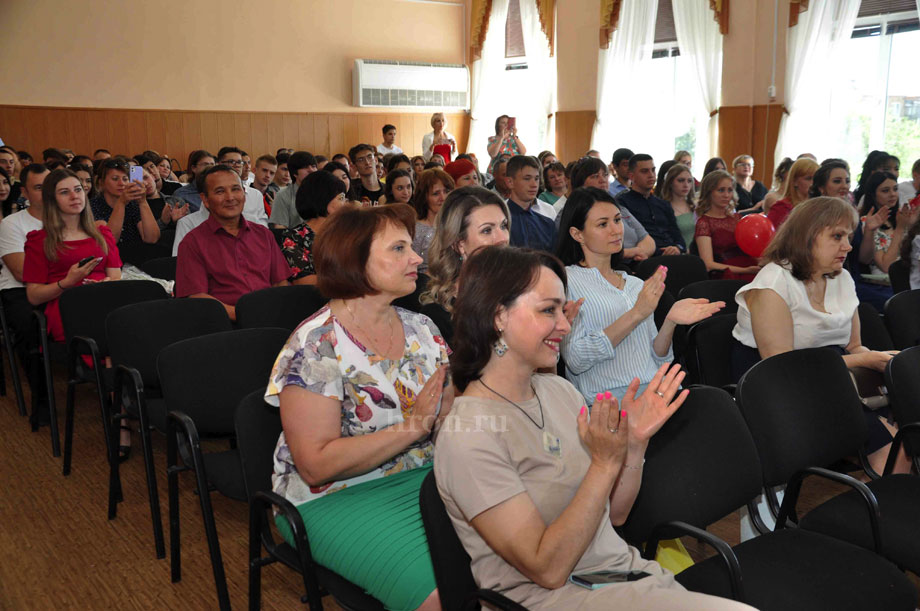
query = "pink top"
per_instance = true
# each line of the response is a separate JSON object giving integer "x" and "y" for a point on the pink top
{"x": 724, "y": 246}
{"x": 37, "y": 269}
{"x": 779, "y": 211}
{"x": 225, "y": 266}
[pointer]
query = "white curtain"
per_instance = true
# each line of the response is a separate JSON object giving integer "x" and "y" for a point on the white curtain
{"x": 486, "y": 84}
{"x": 539, "y": 127}
{"x": 811, "y": 59}
{"x": 700, "y": 42}
{"x": 619, "y": 89}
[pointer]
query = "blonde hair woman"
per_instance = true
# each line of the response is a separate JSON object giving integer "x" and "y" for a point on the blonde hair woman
{"x": 438, "y": 135}
{"x": 470, "y": 219}
{"x": 677, "y": 189}
{"x": 804, "y": 298}
{"x": 795, "y": 189}
{"x": 715, "y": 229}
{"x": 750, "y": 192}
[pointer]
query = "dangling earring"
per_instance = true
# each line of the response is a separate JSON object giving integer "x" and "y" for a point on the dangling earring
{"x": 500, "y": 347}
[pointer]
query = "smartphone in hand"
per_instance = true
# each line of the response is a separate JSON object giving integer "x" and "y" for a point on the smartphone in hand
{"x": 137, "y": 173}
{"x": 599, "y": 579}
{"x": 85, "y": 261}
{"x": 512, "y": 123}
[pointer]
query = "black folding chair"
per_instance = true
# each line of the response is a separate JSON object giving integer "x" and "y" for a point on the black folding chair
{"x": 709, "y": 352}
{"x": 9, "y": 342}
{"x": 872, "y": 329}
{"x": 899, "y": 274}
{"x": 136, "y": 333}
{"x": 902, "y": 319}
{"x": 83, "y": 312}
{"x": 804, "y": 415}
{"x": 903, "y": 384}
{"x": 456, "y": 587}
{"x": 161, "y": 267}
{"x": 682, "y": 270}
{"x": 703, "y": 465}
{"x": 234, "y": 364}
{"x": 258, "y": 426}
{"x": 138, "y": 253}
{"x": 279, "y": 306}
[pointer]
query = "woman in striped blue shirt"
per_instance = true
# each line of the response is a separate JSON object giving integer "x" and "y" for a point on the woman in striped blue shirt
{"x": 613, "y": 338}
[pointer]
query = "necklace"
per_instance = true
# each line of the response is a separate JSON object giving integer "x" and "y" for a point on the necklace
{"x": 368, "y": 335}
{"x": 539, "y": 403}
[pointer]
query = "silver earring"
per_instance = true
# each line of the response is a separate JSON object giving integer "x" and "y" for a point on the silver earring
{"x": 500, "y": 347}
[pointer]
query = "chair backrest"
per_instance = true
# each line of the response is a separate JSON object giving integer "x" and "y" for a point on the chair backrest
{"x": 714, "y": 290}
{"x": 451, "y": 563}
{"x": 138, "y": 253}
{"x": 682, "y": 270}
{"x": 136, "y": 333}
{"x": 206, "y": 377}
{"x": 802, "y": 410}
{"x": 84, "y": 309}
{"x": 258, "y": 426}
{"x": 709, "y": 350}
{"x": 665, "y": 302}
{"x": 699, "y": 467}
{"x": 279, "y": 306}
{"x": 162, "y": 267}
{"x": 872, "y": 329}
{"x": 899, "y": 274}
{"x": 903, "y": 383}
{"x": 902, "y": 319}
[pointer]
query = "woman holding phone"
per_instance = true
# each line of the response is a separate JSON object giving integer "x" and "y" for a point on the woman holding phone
{"x": 439, "y": 136}
{"x": 68, "y": 251}
{"x": 505, "y": 141}
{"x": 122, "y": 203}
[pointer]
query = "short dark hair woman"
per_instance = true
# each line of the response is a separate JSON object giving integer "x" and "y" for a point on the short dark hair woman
{"x": 320, "y": 195}
{"x": 360, "y": 388}
{"x": 535, "y": 487}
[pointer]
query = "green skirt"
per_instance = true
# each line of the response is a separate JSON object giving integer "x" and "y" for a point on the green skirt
{"x": 372, "y": 535}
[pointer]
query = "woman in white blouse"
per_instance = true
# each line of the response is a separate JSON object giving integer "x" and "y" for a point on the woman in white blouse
{"x": 438, "y": 136}
{"x": 804, "y": 298}
{"x": 614, "y": 337}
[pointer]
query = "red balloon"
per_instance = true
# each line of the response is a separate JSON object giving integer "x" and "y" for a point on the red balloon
{"x": 753, "y": 232}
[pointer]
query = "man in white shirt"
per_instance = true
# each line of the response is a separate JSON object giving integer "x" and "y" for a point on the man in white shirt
{"x": 253, "y": 209}
{"x": 18, "y": 311}
{"x": 245, "y": 174}
{"x": 908, "y": 189}
{"x": 389, "y": 141}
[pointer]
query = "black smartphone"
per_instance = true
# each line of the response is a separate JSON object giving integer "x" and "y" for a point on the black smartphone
{"x": 85, "y": 261}
{"x": 592, "y": 581}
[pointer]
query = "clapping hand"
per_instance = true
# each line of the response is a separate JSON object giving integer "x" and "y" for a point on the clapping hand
{"x": 689, "y": 311}
{"x": 874, "y": 221}
{"x": 651, "y": 292}
{"x": 604, "y": 433}
{"x": 571, "y": 309}
{"x": 649, "y": 412}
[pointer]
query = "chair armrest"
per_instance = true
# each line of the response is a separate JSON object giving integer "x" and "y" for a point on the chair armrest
{"x": 499, "y": 601}
{"x": 903, "y": 431}
{"x": 723, "y": 548}
{"x": 794, "y": 487}
{"x": 730, "y": 389}
{"x": 260, "y": 534}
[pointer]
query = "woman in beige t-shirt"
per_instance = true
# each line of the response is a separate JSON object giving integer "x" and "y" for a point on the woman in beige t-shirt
{"x": 533, "y": 485}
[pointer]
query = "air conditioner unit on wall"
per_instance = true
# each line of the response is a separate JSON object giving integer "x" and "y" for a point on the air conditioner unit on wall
{"x": 382, "y": 83}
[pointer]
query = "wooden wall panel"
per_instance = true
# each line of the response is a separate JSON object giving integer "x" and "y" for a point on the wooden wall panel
{"x": 750, "y": 130}
{"x": 573, "y": 133}
{"x": 177, "y": 133}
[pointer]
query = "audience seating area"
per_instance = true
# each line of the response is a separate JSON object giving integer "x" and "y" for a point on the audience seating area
{"x": 194, "y": 370}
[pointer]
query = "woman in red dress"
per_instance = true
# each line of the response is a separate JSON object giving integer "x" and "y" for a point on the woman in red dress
{"x": 715, "y": 229}
{"x": 53, "y": 254}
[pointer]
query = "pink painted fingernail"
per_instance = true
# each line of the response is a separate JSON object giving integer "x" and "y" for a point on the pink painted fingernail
{"x": 600, "y": 397}
{"x": 584, "y": 408}
{"x": 607, "y": 395}
{"x": 622, "y": 413}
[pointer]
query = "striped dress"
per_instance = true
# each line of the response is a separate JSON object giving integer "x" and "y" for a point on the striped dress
{"x": 592, "y": 363}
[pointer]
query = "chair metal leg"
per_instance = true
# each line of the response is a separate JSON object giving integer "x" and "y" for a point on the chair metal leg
{"x": 68, "y": 423}
{"x": 255, "y": 558}
{"x": 172, "y": 478}
{"x": 153, "y": 494}
{"x": 49, "y": 382}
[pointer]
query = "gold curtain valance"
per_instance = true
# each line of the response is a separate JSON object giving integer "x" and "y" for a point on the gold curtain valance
{"x": 610, "y": 17}
{"x": 481, "y": 10}
{"x": 720, "y": 10}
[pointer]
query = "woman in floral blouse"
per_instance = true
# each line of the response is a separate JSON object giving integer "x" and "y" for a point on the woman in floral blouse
{"x": 360, "y": 386}
{"x": 320, "y": 194}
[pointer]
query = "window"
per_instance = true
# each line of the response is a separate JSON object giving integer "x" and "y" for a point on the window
{"x": 514, "y": 35}
{"x": 876, "y": 99}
